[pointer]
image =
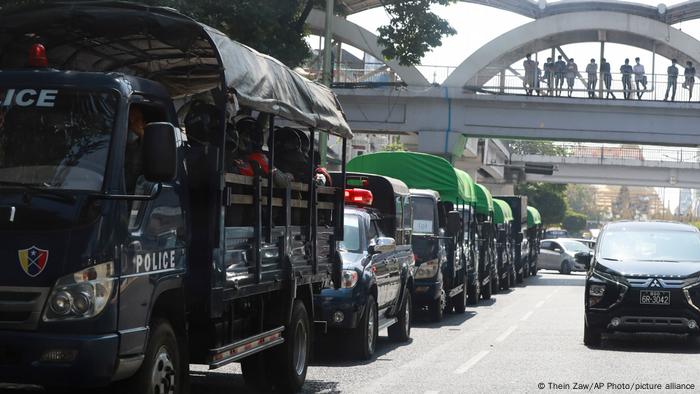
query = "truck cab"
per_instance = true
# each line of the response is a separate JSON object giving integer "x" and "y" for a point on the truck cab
{"x": 519, "y": 235}
{"x": 378, "y": 265}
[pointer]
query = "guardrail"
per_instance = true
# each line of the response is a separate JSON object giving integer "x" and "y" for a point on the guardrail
{"x": 513, "y": 81}
{"x": 623, "y": 152}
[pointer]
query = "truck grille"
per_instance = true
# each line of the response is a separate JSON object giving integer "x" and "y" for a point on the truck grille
{"x": 20, "y": 307}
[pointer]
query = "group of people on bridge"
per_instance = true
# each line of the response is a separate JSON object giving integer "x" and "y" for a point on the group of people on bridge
{"x": 555, "y": 73}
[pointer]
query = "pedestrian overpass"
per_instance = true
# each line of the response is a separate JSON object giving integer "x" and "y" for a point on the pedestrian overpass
{"x": 483, "y": 96}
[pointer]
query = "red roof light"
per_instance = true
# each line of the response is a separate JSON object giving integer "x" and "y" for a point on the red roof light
{"x": 358, "y": 197}
{"x": 37, "y": 56}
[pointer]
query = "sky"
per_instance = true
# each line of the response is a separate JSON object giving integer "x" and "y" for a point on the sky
{"x": 476, "y": 25}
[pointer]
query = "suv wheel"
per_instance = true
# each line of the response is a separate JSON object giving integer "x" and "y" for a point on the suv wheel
{"x": 401, "y": 330}
{"x": 366, "y": 334}
{"x": 565, "y": 267}
{"x": 592, "y": 337}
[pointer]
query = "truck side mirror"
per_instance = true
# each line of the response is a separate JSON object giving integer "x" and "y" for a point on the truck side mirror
{"x": 454, "y": 223}
{"x": 584, "y": 258}
{"x": 159, "y": 152}
{"x": 382, "y": 245}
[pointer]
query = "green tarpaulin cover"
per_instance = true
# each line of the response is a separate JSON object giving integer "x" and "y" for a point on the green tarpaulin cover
{"x": 484, "y": 201}
{"x": 501, "y": 211}
{"x": 533, "y": 217}
{"x": 419, "y": 171}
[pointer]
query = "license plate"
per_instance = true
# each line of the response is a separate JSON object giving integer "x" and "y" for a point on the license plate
{"x": 655, "y": 297}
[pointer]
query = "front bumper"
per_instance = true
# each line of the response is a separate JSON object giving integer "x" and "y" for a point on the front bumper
{"x": 93, "y": 366}
{"x": 347, "y": 302}
{"x": 426, "y": 291}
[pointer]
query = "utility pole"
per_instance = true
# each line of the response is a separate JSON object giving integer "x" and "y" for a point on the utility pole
{"x": 327, "y": 75}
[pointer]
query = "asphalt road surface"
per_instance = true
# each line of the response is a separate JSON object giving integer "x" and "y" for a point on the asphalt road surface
{"x": 527, "y": 340}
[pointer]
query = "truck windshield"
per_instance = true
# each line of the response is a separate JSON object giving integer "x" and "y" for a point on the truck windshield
{"x": 351, "y": 241}
{"x": 423, "y": 215}
{"x": 55, "y": 139}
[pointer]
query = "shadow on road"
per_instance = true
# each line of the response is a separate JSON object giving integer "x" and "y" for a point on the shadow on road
{"x": 553, "y": 278}
{"x": 650, "y": 343}
{"x": 226, "y": 383}
{"x": 333, "y": 350}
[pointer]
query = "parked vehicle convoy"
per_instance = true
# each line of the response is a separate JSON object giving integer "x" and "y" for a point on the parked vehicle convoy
{"x": 534, "y": 235}
{"x": 560, "y": 254}
{"x": 503, "y": 221}
{"x": 519, "y": 235}
{"x": 486, "y": 233}
{"x": 138, "y": 248}
{"x": 445, "y": 276}
{"x": 643, "y": 277}
{"x": 378, "y": 265}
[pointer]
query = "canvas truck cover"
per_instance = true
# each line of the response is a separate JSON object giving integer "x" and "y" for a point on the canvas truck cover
{"x": 484, "y": 201}
{"x": 501, "y": 212}
{"x": 533, "y": 217}
{"x": 163, "y": 45}
{"x": 419, "y": 171}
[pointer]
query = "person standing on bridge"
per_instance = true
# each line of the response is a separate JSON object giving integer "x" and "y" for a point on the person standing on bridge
{"x": 607, "y": 78}
{"x": 559, "y": 72}
{"x": 626, "y": 70}
{"x": 592, "y": 71}
{"x": 549, "y": 75}
{"x": 672, "y": 72}
{"x": 689, "y": 75}
{"x": 639, "y": 78}
{"x": 571, "y": 72}
{"x": 530, "y": 67}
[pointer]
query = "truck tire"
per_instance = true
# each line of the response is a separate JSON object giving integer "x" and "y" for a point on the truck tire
{"x": 365, "y": 335}
{"x": 505, "y": 282}
{"x": 460, "y": 300}
{"x": 290, "y": 360}
{"x": 495, "y": 281}
{"x": 161, "y": 372}
{"x": 592, "y": 337}
{"x": 486, "y": 293}
{"x": 401, "y": 330}
{"x": 436, "y": 310}
{"x": 473, "y": 293}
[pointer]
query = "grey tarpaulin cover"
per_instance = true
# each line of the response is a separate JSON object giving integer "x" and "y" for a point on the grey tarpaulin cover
{"x": 163, "y": 45}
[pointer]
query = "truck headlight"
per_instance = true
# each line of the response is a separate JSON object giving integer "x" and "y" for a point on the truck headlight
{"x": 427, "y": 270}
{"x": 349, "y": 279}
{"x": 81, "y": 295}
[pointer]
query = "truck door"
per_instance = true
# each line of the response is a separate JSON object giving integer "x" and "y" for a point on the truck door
{"x": 154, "y": 250}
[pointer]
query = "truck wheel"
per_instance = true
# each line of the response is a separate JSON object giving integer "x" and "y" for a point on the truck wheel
{"x": 291, "y": 359}
{"x": 460, "y": 300}
{"x": 436, "y": 310}
{"x": 486, "y": 293}
{"x": 592, "y": 337}
{"x": 161, "y": 372}
{"x": 495, "y": 281}
{"x": 565, "y": 268}
{"x": 365, "y": 336}
{"x": 505, "y": 282}
{"x": 519, "y": 277}
{"x": 473, "y": 293}
{"x": 401, "y": 330}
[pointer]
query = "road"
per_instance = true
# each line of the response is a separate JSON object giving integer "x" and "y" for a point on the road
{"x": 516, "y": 342}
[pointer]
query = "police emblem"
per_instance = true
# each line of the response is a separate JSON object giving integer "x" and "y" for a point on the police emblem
{"x": 33, "y": 260}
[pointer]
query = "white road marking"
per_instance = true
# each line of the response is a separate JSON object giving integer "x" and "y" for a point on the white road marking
{"x": 431, "y": 392}
{"x": 551, "y": 294}
{"x": 503, "y": 336}
{"x": 471, "y": 362}
{"x": 527, "y": 316}
{"x": 539, "y": 304}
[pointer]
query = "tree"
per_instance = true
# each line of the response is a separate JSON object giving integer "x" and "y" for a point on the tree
{"x": 574, "y": 222}
{"x": 581, "y": 199}
{"x": 547, "y": 198}
{"x": 412, "y": 30}
{"x": 524, "y": 147}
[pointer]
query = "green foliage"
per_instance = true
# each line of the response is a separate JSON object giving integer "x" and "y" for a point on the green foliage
{"x": 412, "y": 30}
{"x": 574, "y": 222}
{"x": 526, "y": 147}
{"x": 395, "y": 145}
{"x": 581, "y": 198}
{"x": 547, "y": 198}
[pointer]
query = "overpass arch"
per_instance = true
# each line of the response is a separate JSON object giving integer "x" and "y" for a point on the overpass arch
{"x": 570, "y": 28}
{"x": 352, "y": 34}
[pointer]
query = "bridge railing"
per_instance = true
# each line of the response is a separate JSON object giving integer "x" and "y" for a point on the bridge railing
{"x": 624, "y": 152}
{"x": 513, "y": 81}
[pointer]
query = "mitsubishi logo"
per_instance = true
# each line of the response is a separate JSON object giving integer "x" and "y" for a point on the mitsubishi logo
{"x": 655, "y": 283}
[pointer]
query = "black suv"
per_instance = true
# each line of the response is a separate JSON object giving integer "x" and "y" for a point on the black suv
{"x": 643, "y": 277}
